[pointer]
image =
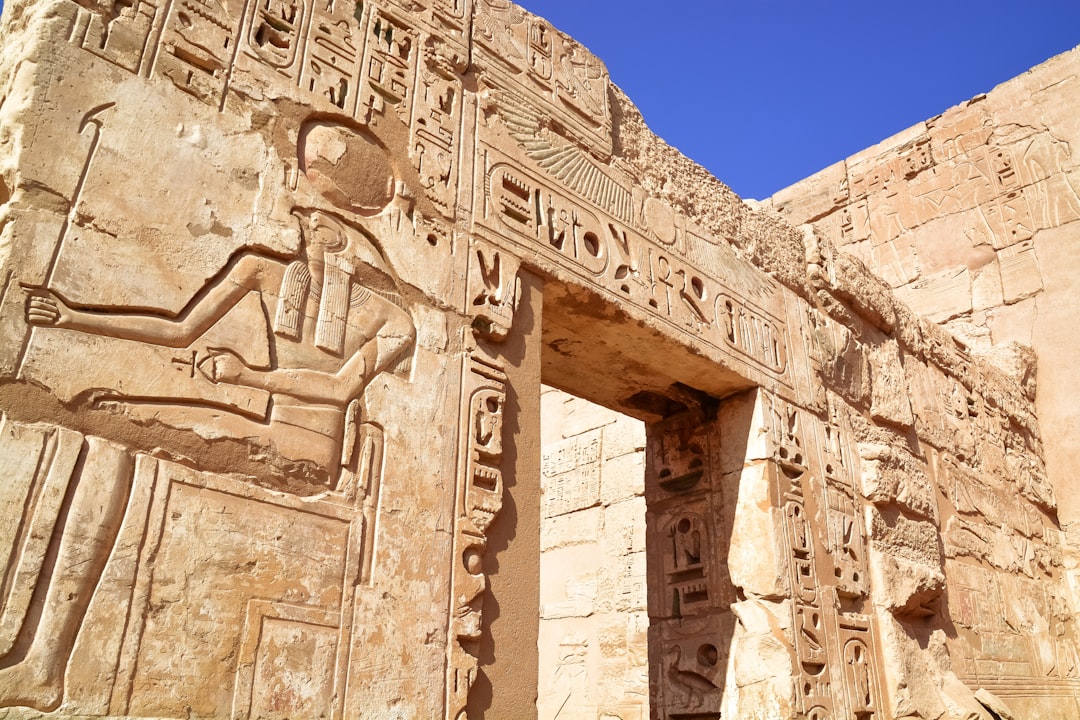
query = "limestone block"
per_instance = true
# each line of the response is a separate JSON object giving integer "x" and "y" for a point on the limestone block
{"x": 866, "y": 292}
{"x": 622, "y": 583}
{"x": 910, "y": 678}
{"x": 759, "y": 683}
{"x": 765, "y": 651}
{"x": 994, "y": 704}
{"x": 1017, "y": 361}
{"x": 576, "y": 528}
{"x": 580, "y": 592}
{"x": 960, "y": 701}
{"x": 890, "y": 474}
{"x": 756, "y": 560}
{"x": 622, "y": 478}
{"x": 624, "y": 526}
{"x": 845, "y": 367}
{"x": 906, "y": 563}
{"x": 746, "y": 416}
{"x": 1020, "y": 275}
{"x": 566, "y": 686}
{"x": 889, "y": 400}
{"x": 896, "y": 261}
{"x": 579, "y": 417}
{"x": 815, "y": 198}
{"x": 624, "y": 437}
{"x": 986, "y": 288}
{"x": 940, "y": 297}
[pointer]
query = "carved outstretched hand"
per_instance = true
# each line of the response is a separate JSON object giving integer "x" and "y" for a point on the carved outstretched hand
{"x": 44, "y": 307}
{"x": 223, "y": 366}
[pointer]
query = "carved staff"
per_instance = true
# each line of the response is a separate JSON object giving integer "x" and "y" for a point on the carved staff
{"x": 92, "y": 119}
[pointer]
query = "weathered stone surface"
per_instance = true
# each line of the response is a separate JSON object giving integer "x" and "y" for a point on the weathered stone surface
{"x": 973, "y": 215}
{"x": 281, "y": 281}
{"x": 593, "y": 624}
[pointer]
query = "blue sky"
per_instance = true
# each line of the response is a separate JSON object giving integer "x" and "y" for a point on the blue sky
{"x": 766, "y": 92}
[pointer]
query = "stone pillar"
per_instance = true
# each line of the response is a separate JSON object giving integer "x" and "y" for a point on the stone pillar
{"x": 506, "y": 685}
{"x": 690, "y": 592}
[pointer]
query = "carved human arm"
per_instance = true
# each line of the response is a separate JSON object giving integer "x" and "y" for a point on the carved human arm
{"x": 47, "y": 308}
{"x": 394, "y": 335}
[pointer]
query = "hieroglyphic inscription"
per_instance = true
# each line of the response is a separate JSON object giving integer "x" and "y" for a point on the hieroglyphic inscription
{"x": 274, "y": 32}
{"x": 846, "y": 542}
{"x": 436, "y": 131}
{"x": 199, "y": 47}
{"x": 478, "y": 501}
{"x": 351, "y": 58}
{"x": 1014, "y": 633}
{"x": 753, "y": 333}
{"x": 493, "y": 289}
{"x": 390, "y": 63}
{"x": 122, "y": 36}
{"x": 558, "y": 73}
{"x": 566, "y": 163}
{"x": 571, "y": 470}
{"x": 625, "y": 264}
{"x": 689, "y": 589}
{"x": 833, "y": 640}
{"x": 810, "y": 628}
{"x": 1010, "y": 181}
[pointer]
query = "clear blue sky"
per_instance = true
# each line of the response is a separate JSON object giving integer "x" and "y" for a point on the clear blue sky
{"x": 766, "y": 92}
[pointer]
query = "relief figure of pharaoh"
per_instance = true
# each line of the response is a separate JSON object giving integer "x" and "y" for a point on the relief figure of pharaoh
{"x": 337, "y": 321}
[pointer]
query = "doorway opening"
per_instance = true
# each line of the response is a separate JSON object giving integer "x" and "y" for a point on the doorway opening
{"x": 593, "y": 640}
{"x": 601, "y": 653}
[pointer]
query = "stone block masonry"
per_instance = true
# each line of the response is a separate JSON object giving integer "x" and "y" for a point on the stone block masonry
{"x": 279, "y": 282}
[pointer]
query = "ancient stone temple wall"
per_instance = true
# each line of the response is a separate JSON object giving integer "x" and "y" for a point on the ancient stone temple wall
{"x": 593, "y": 621}
{"x": 280, "y": 282}
{"x": 974, "y": 216}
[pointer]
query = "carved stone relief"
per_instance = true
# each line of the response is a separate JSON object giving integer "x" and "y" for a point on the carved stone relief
{"x": 689, "y": 592}
{"x": 101, "y": 577}
{"x": 478, "y": 500}
{"x": 267, "y": 270}
{"x": 342, "y": 329}
{"x": 833, "y": 636}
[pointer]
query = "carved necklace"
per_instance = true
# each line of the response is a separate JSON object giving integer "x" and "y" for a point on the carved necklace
{"x": 336, "y": 296}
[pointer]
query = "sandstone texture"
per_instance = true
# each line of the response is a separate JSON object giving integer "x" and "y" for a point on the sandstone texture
{"x": 280, "y": 283}
{"x": 593, "y": 608}
{"x": 972, "y": 216}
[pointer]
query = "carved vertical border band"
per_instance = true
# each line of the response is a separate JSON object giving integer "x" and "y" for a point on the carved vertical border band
{"x": 478, "y": 499}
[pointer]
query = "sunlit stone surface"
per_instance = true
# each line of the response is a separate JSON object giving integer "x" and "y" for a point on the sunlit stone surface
{"x": 280, "y": 283}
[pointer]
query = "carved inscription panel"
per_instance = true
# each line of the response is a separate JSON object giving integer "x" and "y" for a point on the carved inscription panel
{"x": 626, "y": 265}
{"x": 262, "y": 287}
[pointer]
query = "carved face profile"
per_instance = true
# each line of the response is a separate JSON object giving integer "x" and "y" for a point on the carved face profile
{"x": 325, "y": 234}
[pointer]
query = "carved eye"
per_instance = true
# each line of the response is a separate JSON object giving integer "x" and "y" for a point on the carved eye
{"x": 698, "y": 287}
